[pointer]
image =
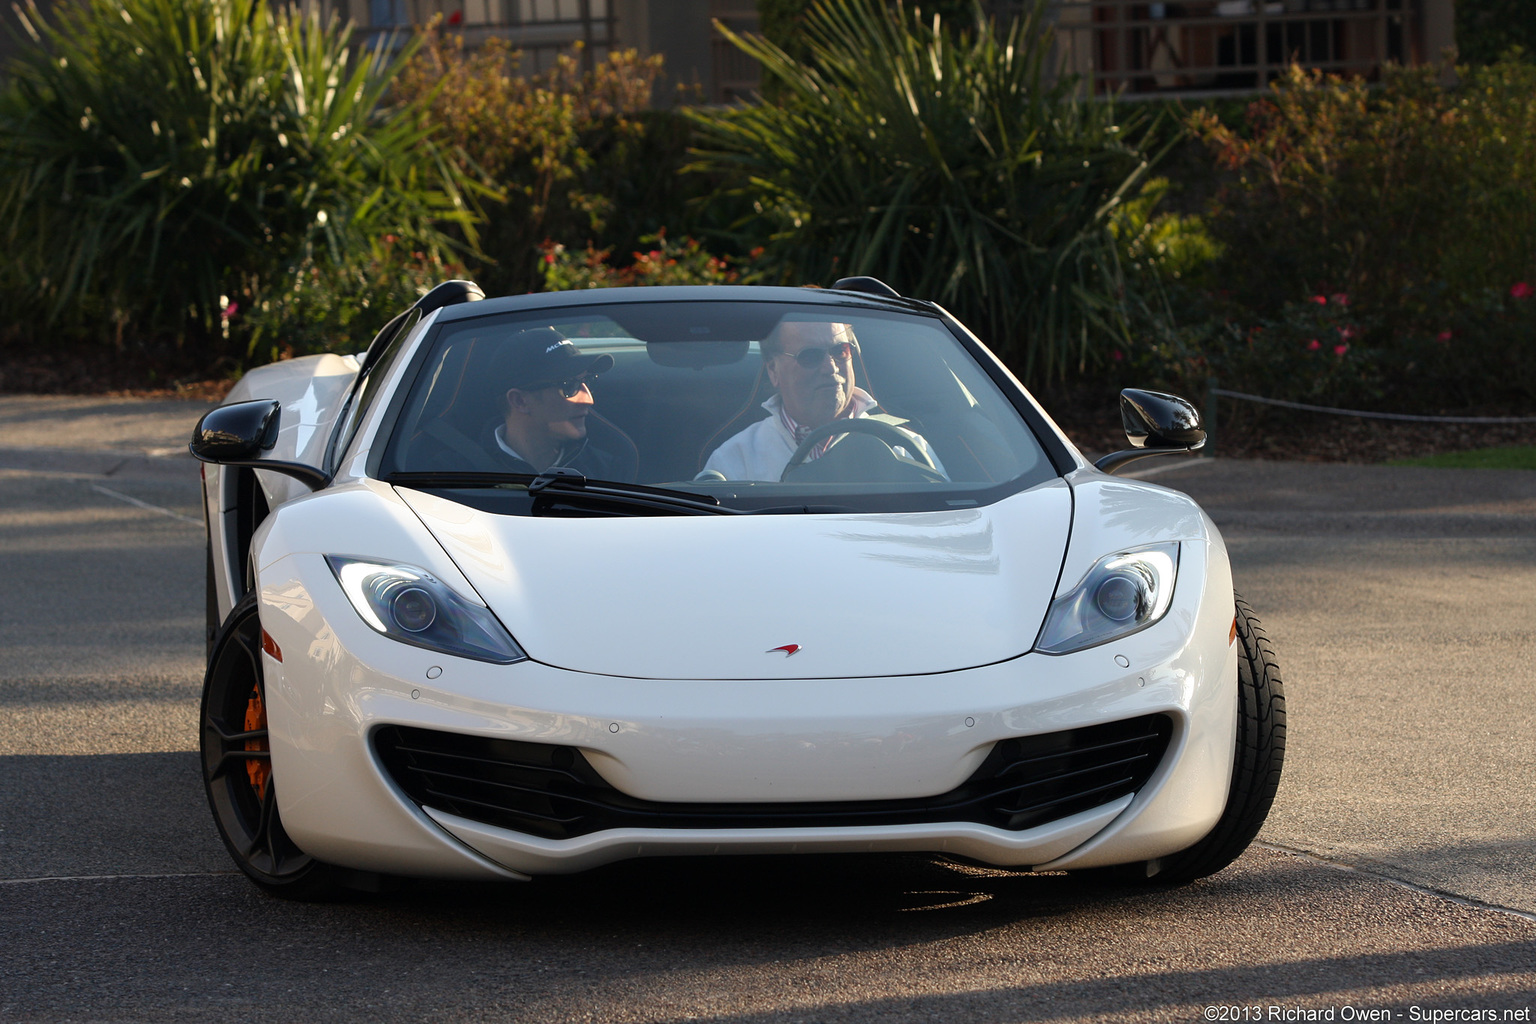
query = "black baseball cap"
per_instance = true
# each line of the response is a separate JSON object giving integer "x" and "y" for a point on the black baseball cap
{"x": 541, "y": 356}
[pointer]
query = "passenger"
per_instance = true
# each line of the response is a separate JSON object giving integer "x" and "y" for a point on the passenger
{"x": 811, "y": 365}
{"x": 547, "y": 402}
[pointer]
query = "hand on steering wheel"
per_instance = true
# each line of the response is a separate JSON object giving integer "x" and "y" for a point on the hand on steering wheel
{"x": 892, "y": 437}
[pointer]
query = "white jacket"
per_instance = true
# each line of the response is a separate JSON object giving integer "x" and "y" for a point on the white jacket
{"x": 762, "y": 450}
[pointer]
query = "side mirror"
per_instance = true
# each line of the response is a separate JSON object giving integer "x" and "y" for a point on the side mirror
{"x": 1155, "y": 424}
{"x": 1155, "y": 420}
{"x": 241, "y": 431}
{"x": 236, "y": 435}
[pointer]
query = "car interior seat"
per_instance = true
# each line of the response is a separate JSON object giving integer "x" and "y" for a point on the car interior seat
{"x": 463, "y": 406}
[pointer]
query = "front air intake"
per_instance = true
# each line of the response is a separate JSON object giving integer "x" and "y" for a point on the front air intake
{"x": 552, "y": 791}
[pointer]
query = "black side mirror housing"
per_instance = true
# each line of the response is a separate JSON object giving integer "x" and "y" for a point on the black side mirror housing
{"x": 237, "y": 434}
{"x": 240, "y": 431}
{"x": 1155, "y": 420}
{"x": 1155, "y": 424}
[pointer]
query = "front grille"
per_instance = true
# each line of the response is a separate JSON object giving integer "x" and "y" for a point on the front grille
{"x": 552, "y": 791}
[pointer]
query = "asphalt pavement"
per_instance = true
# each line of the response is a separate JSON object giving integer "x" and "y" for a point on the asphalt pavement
{"x": 1397, "y": 872}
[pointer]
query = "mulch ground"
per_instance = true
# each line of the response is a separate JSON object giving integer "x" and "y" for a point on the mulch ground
{"x": 66, "y": 369}
{"x": 1089, "y": 414}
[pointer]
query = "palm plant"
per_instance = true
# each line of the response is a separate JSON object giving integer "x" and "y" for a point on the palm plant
{"x": 159, "y": 158}
{"x": 952, "y": 164}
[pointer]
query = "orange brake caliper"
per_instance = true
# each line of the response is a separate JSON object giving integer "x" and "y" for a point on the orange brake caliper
{"x": 257, "y": 769}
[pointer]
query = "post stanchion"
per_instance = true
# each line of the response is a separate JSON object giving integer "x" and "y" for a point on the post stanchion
{"x": 1209, "y": 451}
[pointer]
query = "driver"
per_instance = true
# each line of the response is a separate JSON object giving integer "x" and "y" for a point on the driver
{"x": 546, "y": 404}
{"x": 811, "y": 365}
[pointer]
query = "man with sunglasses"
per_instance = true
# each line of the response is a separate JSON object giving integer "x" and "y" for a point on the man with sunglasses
{"x": 547, "y": 401}
{"x": 811, "y": 365}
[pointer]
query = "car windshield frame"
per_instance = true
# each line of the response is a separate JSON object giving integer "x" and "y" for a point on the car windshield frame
{"x": 1015, "y": 428}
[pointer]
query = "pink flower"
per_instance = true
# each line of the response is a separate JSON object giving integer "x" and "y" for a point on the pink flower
{"x": 1347, "y": 333}
{"x": 1339, "y": 350}
{"x": 1444, "y": 337}
{"x": 230, "y": 311}
{"x": 1521, "y": 290}
{"x": 1314, "y": 345}
{"x": 1339, "y": 299}
{"x": 1321, "y": 300}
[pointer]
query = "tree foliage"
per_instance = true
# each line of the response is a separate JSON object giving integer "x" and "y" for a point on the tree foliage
{"x": 951, "y": 163}
{"x": 1487, "y": 30}
{"x": 574, "y": 154}
{"x": 163, "y": 160}
{"x": 1405, "y": 195}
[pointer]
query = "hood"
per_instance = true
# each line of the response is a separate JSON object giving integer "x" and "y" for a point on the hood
{"x": 713, "y": 597}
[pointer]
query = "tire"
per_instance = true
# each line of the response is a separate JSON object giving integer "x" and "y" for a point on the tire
{"x": 1256, "y": 765}
{"x": 210, "y": 603}
{"x": 237, "y": 771}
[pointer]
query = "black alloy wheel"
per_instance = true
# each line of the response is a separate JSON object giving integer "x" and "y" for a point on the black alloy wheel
{"x": 237, "y": 767}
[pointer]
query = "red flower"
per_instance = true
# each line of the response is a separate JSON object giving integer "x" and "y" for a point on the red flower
{"x": 1339, "y": 350}
{"x": 1521, "y": 290}
{"x": 549, "y": 257}
{"x": 1347, "y": 332}
{"x": 1444, "y": 337}
{"x": 1117, "y": 355}
{"x": 1314, "y": 345}
{"x": 1321, "y": 300}
{"x": 455, "y": 17}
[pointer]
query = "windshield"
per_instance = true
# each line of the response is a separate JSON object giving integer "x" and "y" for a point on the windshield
{"x": 759, "y": 406}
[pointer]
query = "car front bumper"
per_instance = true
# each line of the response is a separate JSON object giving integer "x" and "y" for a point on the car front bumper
{"x": 738, "y": 743}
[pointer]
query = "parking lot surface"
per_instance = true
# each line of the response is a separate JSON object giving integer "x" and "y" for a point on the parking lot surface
{"x": 1395, "y": 873}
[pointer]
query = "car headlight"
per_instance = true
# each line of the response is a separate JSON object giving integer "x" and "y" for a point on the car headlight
{"x": 412, "y": 606}
{"x": 1121, "y": 594}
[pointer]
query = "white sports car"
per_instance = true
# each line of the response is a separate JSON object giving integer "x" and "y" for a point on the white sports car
{"x": 542, "y": 582}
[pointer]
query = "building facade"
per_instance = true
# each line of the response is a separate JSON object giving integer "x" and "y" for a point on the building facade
{"x": 1190, "y": 48}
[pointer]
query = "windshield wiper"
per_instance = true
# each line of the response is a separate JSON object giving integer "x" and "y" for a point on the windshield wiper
{"x": 562, "y": 485}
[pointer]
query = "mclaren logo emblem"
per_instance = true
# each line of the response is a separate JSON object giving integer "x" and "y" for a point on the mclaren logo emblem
{"x": 790, "y": 650}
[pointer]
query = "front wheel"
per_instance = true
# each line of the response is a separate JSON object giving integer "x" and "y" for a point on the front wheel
{"x": 1260, "y": 751}
{"x": 237, "y": 766}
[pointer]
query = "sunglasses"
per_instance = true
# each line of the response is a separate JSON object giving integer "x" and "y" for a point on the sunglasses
{"x": 567, "y": 388}
{"x": 811, "y": 357}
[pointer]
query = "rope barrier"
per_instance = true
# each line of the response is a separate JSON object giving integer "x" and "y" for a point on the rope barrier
{"x": 1406, "y": 417}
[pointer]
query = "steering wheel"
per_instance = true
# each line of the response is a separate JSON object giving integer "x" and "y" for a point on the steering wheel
{"x": 892, "y": 437}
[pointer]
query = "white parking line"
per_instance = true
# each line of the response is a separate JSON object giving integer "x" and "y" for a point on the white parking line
{"x": 109, "y": 492}
{"x": 114, "y": 878}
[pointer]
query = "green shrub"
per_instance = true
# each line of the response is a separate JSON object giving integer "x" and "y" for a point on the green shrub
{"x": 1480, "y": 352}
{"x": 1486, "y": 30}
{"x": 945, "y": 164}
{"x": 575, "y": 155}
{"x": 1417, "y": 202}
{"x": 1408, "y": 197}
{"x": 162, "y": 160}
{"x": 340, "y": 305}
{"x": 1161, "y": 243}
{"x": 667, "y": 262}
